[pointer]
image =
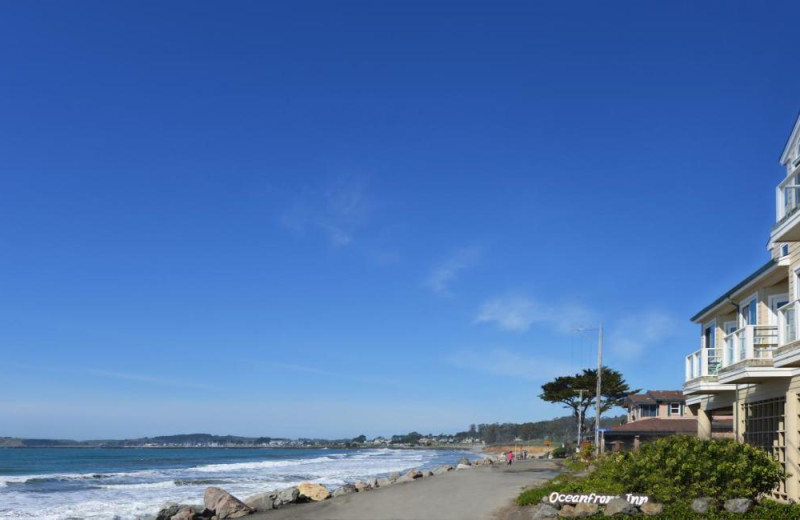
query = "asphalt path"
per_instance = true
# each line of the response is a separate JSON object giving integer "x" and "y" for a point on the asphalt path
{"x": 483, "y": 492}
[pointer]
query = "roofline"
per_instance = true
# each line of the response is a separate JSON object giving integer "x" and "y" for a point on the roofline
{"x": 785, "y": 153}
{"x": 739, "y": 286}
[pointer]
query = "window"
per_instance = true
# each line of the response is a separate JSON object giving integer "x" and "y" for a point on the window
{"x": 709, "y": 336}
{"x": 784, "y": 249}
{"x": 648, "y": 410}
{"x": 675, "y": 409}
{"x": 749, "y": 313}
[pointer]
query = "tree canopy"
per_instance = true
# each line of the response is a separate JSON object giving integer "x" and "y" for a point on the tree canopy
{"x": 565, "y": 390}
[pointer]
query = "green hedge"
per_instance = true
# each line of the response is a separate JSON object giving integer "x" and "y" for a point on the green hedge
{"x": 680, "y": 467}
{"x": 676, "y": 469}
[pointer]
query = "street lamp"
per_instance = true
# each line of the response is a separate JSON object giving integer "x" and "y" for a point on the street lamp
{"x": 598, "y": 398}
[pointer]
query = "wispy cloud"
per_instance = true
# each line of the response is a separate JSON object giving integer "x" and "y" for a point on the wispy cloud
{"x": 628, "y": 335}
{"x": 450, "y": 269}
{"x": 632, "y": 335}
{"x": 142, "y": 378}
{"x": 338, "y": 210}
{"x": 518, "y": 314}
{"x": 508, "y": 363}
{"x": 110, "y": 374}
{"x": 348, "y": 376}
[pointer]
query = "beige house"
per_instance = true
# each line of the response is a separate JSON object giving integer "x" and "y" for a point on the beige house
{"x": 748, "y": 363}
{"x": 652, "y": 415}
{"x": 659, "y": 404}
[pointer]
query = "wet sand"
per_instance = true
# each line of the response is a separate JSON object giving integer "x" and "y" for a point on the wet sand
{"x": 485, "y": 492}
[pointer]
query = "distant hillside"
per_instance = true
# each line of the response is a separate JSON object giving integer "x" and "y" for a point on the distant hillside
{"x": 9, "y": 442}
{"x": 558, "y": 429}
{"x": 191, "y": 439}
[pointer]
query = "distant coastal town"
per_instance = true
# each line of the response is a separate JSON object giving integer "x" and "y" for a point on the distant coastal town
{"x": 202, "y": 440}
{"x": 555, "y": 431}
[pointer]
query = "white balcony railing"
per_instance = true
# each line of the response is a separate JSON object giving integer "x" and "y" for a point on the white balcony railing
{"x": 788, "y": 197}
{"x": 703, "y": 362}
{"x": 750, "y": 342}
{"x": 787, "y": 323}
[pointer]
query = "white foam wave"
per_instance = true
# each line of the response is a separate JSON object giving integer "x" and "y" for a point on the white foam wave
{"x": 240, "y": 466}
{"x": 138, "y": 494}
{"x": 99, "y": 477}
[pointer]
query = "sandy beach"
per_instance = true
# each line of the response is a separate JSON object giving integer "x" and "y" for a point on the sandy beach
{"x": 485, "y": 492}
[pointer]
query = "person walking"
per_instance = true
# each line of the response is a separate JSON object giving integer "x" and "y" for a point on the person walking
{"x": 510, "y": 458}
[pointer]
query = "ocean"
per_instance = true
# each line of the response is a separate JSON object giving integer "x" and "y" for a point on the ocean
{"x": 128, "y": 484}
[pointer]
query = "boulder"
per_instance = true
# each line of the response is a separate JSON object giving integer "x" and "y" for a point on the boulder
{"x": 167, "y": 511}
{"x": 224, "y": 504}
{"x": 620, "y": 506}
{"x": 347, "y": 489}
{"x": 262, "y": 501}
{"x": 567, "y": 511}
{"x": 186, "y": 513}
{"x": 394, "y": 476}
{"x": 738, "y": 505}
{"x": 410, "y": 476}
{"x": 651, "y": 508}
{"x": 546, "y": 500}
{"x": 442, "y": 469}
{"x": 384, "y": 482}
{"x": 703, "y": 505}
{"x": 413, "y": 474}
{"x": 362, "y": 486}
{"x": 465, "y": 461}
{"x": 543, "y": 512}
{"x": 463, "y": 466}
{"x": 286, "y": 496}
{"x": 486, "y": 461}
{"x": 582, "y": 510}
{"x": 427, "y": 474}
{"x": 373, "y": 483}
{"x": 313, "y": 492}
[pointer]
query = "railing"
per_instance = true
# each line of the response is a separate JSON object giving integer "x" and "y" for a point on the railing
{"x": 703, "y": 362}
{"x": 750, "y": 342}
{"x": 787, "y": 323}
{"x": 788, "y": 197}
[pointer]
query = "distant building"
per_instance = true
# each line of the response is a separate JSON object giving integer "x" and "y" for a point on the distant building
{"x": 655, "y": 414}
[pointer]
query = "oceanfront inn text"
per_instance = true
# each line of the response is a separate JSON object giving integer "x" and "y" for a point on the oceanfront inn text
{"x": 748, "y": 365}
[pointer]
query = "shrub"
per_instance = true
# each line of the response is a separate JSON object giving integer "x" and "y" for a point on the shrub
{"x": 765, "y": 509}
{"x": 559, "y": 453}
{"x": 575, "y": 464}
{"x": 587, "y": 452}
{"x": 679, "y": 468}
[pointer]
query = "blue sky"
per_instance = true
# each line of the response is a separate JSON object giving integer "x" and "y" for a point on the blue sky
{"x": 327, "y": 219}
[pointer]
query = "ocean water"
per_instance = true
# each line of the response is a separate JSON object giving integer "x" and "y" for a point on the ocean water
{"x": 106, "y": 484}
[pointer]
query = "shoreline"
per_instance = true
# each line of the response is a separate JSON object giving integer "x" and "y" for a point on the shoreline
{"x": 481, "y": 490}
{"x": 466, "y": 447}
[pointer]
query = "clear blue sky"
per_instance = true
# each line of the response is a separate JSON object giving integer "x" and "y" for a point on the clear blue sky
{"x": 336, "y": 218}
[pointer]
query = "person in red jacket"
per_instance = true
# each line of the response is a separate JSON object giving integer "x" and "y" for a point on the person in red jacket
{"x": 510, "y": 457}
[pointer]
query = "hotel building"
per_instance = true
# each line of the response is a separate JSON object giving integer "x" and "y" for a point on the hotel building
{"x": 747, "y": 367}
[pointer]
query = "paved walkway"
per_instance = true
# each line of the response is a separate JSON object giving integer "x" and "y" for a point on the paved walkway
{"x": 478, "y": 494}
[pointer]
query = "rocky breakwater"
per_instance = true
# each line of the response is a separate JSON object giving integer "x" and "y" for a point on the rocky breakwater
{"x": 221, "y": 505}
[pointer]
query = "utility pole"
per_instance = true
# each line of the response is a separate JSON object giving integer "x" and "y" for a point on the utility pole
{"x": 580, "y": 419}
{"x": 599, "y": 390}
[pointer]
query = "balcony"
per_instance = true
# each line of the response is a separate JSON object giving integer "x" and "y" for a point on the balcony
{"x": 747, "y": 355}
{"x": 787, "y": 218}
{"x": 788, "y": 352}
{"x": 702, "y": 367}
